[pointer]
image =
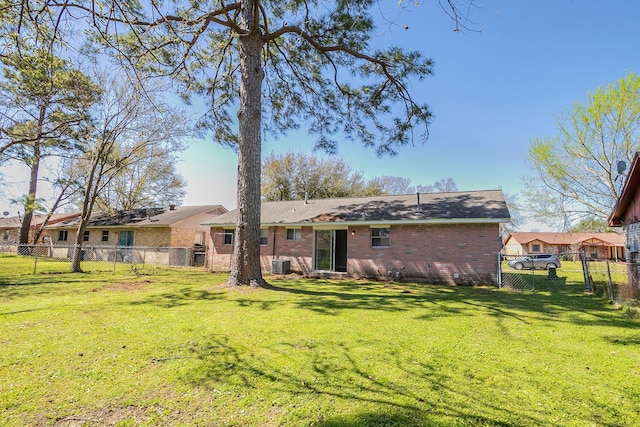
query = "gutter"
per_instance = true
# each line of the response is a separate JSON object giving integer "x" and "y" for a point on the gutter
{"x": 438, "y": 221}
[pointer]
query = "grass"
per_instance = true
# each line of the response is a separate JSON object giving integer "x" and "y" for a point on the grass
{"x": 170, "y": 347}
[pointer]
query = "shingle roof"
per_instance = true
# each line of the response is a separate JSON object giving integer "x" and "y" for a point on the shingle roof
{"x": 469, "y": 206}
{"x": 613, "y": 239}
{"x": 151, "y": 217}
{"x": 36, "y": 220}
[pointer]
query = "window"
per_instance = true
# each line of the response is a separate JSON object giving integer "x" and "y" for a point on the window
{"x": 593, "y": 251}
{"x": 535, "y": 247}
{"x": 63, "y": 235}
{"x": 380, "y": 237}
{"x": 227, "y": 237}
{"x": 294, "y": 233}
{"x": 264, "y": 236}
{"x": 85, "y": 236}
{"x": 105, "y": 235}
{"x": 6, "y": 235}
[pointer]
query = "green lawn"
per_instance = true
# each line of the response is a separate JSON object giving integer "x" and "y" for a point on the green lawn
{"x": 171, "y": 348}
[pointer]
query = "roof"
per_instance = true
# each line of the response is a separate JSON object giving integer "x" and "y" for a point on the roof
{"x": 611, "y": 239}
{"x": 36, "y": 220}
{"x": 486, "y": 206}
{"x": 151, "y": 217}
{"x": 627, "y": 195}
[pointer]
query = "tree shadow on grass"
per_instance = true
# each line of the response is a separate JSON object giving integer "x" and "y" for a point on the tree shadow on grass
{"x": 418, "y": 394}
{"x": 435, "y": 301}
{"x": 48, "y": 284}
{"x": 407, "y": 419}
{"x": 180, "y": 297}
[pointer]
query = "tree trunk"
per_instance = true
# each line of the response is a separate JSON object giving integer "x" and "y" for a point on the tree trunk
{"x": 245, "y": 268}
{"x": 30, "y": 201}
{"x": 77, "y": 249}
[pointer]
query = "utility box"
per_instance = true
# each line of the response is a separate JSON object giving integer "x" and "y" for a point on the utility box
{"x": 280, "y": 266}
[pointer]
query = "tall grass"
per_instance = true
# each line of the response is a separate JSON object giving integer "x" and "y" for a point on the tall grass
{"x": 170, "y": 347}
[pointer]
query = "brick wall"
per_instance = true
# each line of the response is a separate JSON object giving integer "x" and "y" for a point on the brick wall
{"x": 183, "y": 237}
{"x": 632, "y": 243}
{"x": 299, "y": 252}
{"x": 152, "y": 236}
{"x": 632, "y": 240}
{"x": 11, "y": 236}
{"x": 452, "y": 254}
{"x": 160, "y": 236}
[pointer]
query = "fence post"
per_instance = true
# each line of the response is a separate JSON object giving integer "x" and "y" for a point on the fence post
{"x": 35, "y": 262}
{"x": 610, "y": 283}
{"x": 499, "y": 270}
{"x": 585, "y": 271}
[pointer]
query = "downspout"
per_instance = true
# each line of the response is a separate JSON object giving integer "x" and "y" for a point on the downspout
{"x": 273, "y": 252}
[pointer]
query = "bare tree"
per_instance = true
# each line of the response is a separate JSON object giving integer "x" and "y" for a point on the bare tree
{"x": 445, "y": 185}
{"x": 393, "y": 184}
{"x": 577, "y": 170}
{"x": 131, "y": 123}
{"x": 150, "y": 180}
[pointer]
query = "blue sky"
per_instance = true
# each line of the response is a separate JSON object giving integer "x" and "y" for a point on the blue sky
{"x": 497, "y": 86}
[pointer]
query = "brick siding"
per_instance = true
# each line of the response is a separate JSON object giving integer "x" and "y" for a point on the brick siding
{"x": 452, "y": 254}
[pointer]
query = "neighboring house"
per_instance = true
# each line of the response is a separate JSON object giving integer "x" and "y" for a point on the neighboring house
{"x": 440, "y": 237}
{"x": 10, "y": 227}
{"x": 171, "y": 227}
{"x": 626, "y": 212}
{"x": 595, "y": 245}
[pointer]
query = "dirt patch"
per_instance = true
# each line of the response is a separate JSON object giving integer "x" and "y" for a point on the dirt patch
{"x": 138, "y": 285}
{"x": 105, "y": 417}
{"x": 402, "y": 289}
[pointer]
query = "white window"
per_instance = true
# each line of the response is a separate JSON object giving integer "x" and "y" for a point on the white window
{"x": 380, "y": 237}
{"x": 105, "y": 235}
{"x": 63, "y": 235}
{"x": 227, "y": 237}
{"x": 85, "y": 236}
{"x": 264, "y": 236}
{"x": 294, "y": 233}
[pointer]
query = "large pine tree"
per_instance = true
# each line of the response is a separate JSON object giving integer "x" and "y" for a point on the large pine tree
{"x": 280, "y": 65}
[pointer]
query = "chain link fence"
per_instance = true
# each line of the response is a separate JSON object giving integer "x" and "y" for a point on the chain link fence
{"x": 110, "y": 255}
{"x": 613, "y": 279}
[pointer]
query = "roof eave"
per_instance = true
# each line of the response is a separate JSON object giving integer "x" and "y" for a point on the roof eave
{"x": 437, "y": 221}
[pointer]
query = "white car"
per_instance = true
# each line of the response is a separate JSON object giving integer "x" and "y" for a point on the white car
{"x": 535, "y": 261}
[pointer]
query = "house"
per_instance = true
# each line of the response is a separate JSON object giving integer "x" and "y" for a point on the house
{"x": 10, "y": 227}
{"x": 595, "y": 245}
{"x": 441, "y": 237}
{"x": 170, "y": 227}
{"x": 626, "y": 212}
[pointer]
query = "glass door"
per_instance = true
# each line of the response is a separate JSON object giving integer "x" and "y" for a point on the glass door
{"x": 125, "y": 238}
{"x": 324, "y": 250}
{"x": 330, "y": 250}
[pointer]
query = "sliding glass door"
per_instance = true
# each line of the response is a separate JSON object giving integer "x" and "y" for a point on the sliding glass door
{"x": 330, "y": 253}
